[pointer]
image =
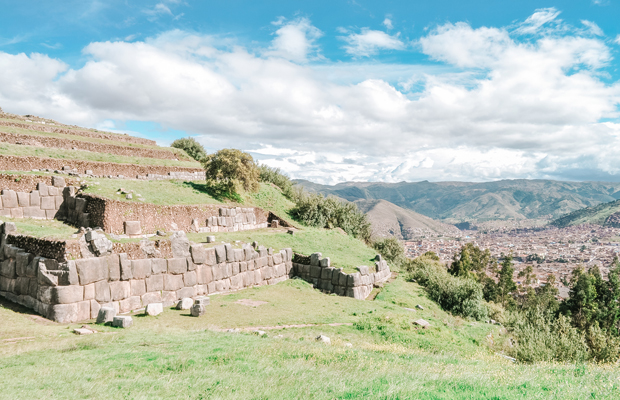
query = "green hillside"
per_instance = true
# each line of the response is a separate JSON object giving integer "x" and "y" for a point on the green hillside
{"x": 599, "y": 215}
{"x": 469, "y": 201}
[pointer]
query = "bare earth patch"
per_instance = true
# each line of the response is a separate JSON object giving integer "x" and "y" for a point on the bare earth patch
{"x": 250, "y": 303}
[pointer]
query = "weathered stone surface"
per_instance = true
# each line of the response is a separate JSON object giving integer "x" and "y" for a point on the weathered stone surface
{"x": 325, "y": 262}
{"x": 151, "y": 297}
{"x": 230, "y": 252}
{"x": 140, "y": 269}
{"x": 66, "y": 294}
{"x": 125, "y": 262}
{"x": 189, "y": 278}
{"x": 102, "y": 291}
{"x": 64, "y": 313}
{"x": 315, "y": 271}
{"x": 177, "y": 265}
{"x": 130, "y": 303}
{"x": 94, "y": 308}
{"x": 120, "y": 290}
{"x": 91, "y": 270}
{"x": 326, "y": 273}
{"x": 363, "y": 270}
{"x": 173, "y": 282}
{"x": 277, "y": 259}
{"x": 185, "y": 304}
{"x": 179, "y": 244}
{"x": 101, "y": 246}
{"x": 169, "y": 298}
{"x": 315, "y": 259}
{"x": 154, "y": 309}
{"x": 89, "y": 291}
{"x": 9, "y": 199}
{"x": 204, "y": 274}
{"x": 154, "y": 283}
{"x": 199, "y": 253}
{"x": 35, "y": 199}
{"x": 133, "y": 228}
{"x": 159, "y": 265}
{"x": 138, "y": 287}
{"x": 122, "y": 321}
{"x": 198, "y": 310}
{"x": 220, "y": 253}
{"x": 23, "y": 199}
{"x": 323, "y": 339}
{"x": 149, "y": 249}
{"x": 186, "y": 292}
{"x": 423, "y": 323}
{"x": 203, "y": 300}
{"x": 7, "y": 269}
{"x": 114, "y": 267}
{"x": 58, "y": 181}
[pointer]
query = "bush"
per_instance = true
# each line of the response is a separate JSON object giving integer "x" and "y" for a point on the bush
{"x": 330, "y": 212}
{"x": 391, "y": 249}
{"x": 460, "y": 296}
{"x": 191, "y": 147}
{"x": 274, "y": 175}
{"x": 231, "y": 170}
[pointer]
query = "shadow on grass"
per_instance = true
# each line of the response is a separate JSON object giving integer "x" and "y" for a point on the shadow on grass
{"x": 216, "y": 193}
{"x": 9, "y": 305}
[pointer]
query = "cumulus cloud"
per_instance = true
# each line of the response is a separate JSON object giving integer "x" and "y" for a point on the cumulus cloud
{"x": 295, "y": 40}
{"x": 498, "y": 108}
{"x": 369, "y": 42}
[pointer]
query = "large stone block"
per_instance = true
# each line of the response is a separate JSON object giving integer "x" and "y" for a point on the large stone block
{"x": 89, "y": 291}
{"x": 204, "y": 274}
{"x": 177, "y": 265}
{"x": 48, "y": 203}
{"x": 126, "y": 271}
{"x": 138, "y": 287}
{"x": 239, "y": 255}
{"x": 114, "y": 267}
{"x": 91, "y": 270}
{"x": 154, "y": 283}
{"x": 315, "y": 259}
{"x": 9, "y": 199}
{"x": 67, "y": 295}
{"x": 199, "y": 253}
{"x": 130, "y": 303}
{"x": 140, "y": 269}
{"x": 179, "y": 245}
{"x": 58, "y": 181}
{"x": 235, "y": 268}
{"x": 35, "y": 199}
{"x": 363, "y": 270}
{"x": 326, "y": 273}
{"x": 325, "y": 262}
{"x": 7, "y": 269}
{"x": 22, "y": 260}
{"x": 189, "y": 278}
{"x": 186, "y": 292}
{"x": 120, "y": 290}
{"x": 23, "y": 199}
{"x": 102, "y": 291}
{"x": 277, "y": 259}
{"x": 159, "y": 265}
{"x": 83, "y": 311}
{"x": 94, "y": 309}
{"x": 220, "y": 254}
{"x": 173, "y": 282}
{"x": 151, "y": 297}
{"x": 133, "y": 228}
{"x": 122, "y": 321}
{"x": 154, "y": 309}
{"x": 169, "y": 298}
{"x": 64, "y": 313}
{"x": 236, "y": 282}
{"x": 230, "y": 252}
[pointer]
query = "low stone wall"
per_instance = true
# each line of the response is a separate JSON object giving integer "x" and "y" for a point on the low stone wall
{"x": 44, "y": 203}
{"x": 317, "y": 270}
{"x": 75, "y": 290}
{"x": 110, "y": 215}
{"x": 104, "y": 169}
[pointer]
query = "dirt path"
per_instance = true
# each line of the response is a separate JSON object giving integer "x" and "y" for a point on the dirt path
{"x": 268, "y": 328}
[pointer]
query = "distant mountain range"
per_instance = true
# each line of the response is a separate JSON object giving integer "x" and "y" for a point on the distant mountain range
{"x": 603, "y": 214}
{"x": 388, "y": 219}
{"x": 468, "y": 201}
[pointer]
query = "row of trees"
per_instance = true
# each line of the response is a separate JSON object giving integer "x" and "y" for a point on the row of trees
{"x": 231, "y": 172}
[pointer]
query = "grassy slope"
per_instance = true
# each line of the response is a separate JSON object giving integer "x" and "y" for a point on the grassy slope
{"x": 21, "y": 150}
{"x": 177, "y": 356}
{"x": 51, "y": 229}
{"x": 592, "y": 215}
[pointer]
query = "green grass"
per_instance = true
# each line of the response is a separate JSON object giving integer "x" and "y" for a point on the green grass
{"x": 33, "y": 151}
{"x": 165, "y": 192}
{"x": 270, "y": 197}
{"x": 42, "y": 228}
{"x": 177, "y": 356}
{"x": 344, "y": 251}
{"x": 22, "y": 131}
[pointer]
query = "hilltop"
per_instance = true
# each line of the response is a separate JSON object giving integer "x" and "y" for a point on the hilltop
{"x": 469, "y": 201}
{"x": 607, "y": 214}
{"x": 388, "y": 219}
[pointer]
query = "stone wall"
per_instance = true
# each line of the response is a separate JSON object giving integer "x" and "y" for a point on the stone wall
{"x": 97, "y": 168}
{"x": 318, "y": 271}
{"x": 44, "y": 203}
{"x": 75, "y": 290}
{"x": 110, "y": 215}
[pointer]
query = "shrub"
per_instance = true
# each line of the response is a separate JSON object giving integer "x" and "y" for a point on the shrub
{"x": 460, "y": 296}
{"x": 391, "y": 249}
{"x": 230, "y": 170}
{"x": 191, "y": 147}
{"x": 275, "y": 176}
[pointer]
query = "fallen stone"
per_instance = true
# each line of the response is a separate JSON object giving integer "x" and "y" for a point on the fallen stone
{"x": 260, "y": 333}
{"x": 128, "y": 196}
{"x": 154, "y": 309}
{"x": 122, "y": 321}
{"x": 202, "y": 301}
{"x": 210, "y": 239}
{"x": 198, "y": 310}
{"x": 409, "y": 309}
{"x": 323, "y": 339}
{"x": 419, "y": 307}
{"x": 348, "y": 345}
{"x": 161, "y": 233}
{"x": 185, "y": 304}
{"x": 83, "y": 331}
{"x": 179, "y": 244}
{"x": 106, "y": 314}
{"x": 421, "y": 322}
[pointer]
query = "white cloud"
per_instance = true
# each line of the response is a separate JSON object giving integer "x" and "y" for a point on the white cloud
{"x": 617, "y": 40}
{"x": 388, "y": 23}
{"x": 497, "y": 107}
{"x": 535, "y": 21}
{"x": 593, "y": 27}
{"x": 370, "y": 42}
{"x": 295, "y": 40}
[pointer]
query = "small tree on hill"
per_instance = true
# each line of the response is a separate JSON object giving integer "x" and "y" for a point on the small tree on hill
{"x": 231, "y": 170}
{"x": 191, "y": 147}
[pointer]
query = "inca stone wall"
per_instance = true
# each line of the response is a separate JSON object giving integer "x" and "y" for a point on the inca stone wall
{"x": 74, "y": 290}
{"x": 323, "y": 276}
{"x": 44, "y": 203}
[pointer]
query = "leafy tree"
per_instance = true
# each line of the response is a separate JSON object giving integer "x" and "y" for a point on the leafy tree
{"x": 527, "y": 274}
{"x": 191, "y": 147}
{"x": 391, "y": 249}
{"x": 230, "y": 170}
{"x": 471, "y": 261}
{"x": 276, "y": 177}
{"x": 582, "y": 304}
{"x": 505, "y": 284}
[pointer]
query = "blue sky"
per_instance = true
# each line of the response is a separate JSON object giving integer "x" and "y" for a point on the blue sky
{"x": 338, "y": 90}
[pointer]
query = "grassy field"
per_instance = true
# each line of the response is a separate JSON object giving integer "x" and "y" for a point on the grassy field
{"x": 48, "y": 228}
{"x": 22, "y": 150}
{"x": 344, "y": 251}
{"x": 176, "y": 356}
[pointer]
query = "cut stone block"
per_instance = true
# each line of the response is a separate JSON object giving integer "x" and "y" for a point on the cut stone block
{"x": 177, "y": 265}
{"x": 198, "y": 310}
{"x": 133, "y": 228}
{"x": 58, "y": 181}
{"x": 122, "y": 321}
{"x": 141, "y": 269}
{"x": 203, "y": 301}
{"x": 185, "y": 304}
{"x": 105, "y": 315}
{"x": 23, "y": 199}
{"x": 48, "y": 203}
{"x": 131, "y": 303}
{"x": 120, "y": 290}
{"x": 138, "y": 287}
{"x": 154, "y": 283}
{"x": 154, "y": 309}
